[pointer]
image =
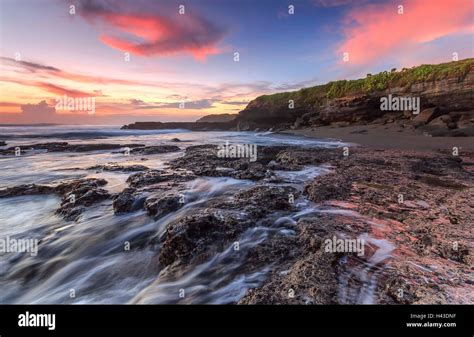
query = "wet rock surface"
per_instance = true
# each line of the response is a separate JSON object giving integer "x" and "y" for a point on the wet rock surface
{"x": 199, "y": 236}
{"x": 27, "y": 189}
{"x": 117, "y": 167}
{"x": 155, "y": 149}
{"x": 79, "y": 194}
{"x": 66, "y": 147}
{"x": 128, "y": 200}
{"x": 162, "y": 205}
{"x": 424, "y": 197}
{"x": 152, "y": 177}
{"x": 204, "y": 160}
{"x": 76, "y": 194}
{"x": 304, "y": 272}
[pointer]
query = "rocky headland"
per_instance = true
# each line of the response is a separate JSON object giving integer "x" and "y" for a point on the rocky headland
{"x": 445, "y": 93}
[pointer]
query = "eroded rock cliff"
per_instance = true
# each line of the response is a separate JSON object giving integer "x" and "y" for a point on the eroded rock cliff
{"x": 447, "y": 87}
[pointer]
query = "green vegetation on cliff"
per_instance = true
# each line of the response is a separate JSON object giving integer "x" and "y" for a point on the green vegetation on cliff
{"x": 381, "y": 81}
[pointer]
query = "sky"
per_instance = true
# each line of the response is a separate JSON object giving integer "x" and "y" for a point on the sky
{"x": 120, "y": 61}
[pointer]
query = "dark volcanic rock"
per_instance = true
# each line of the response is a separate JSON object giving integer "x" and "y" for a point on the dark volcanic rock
{"x": 76, "y": 194}
{"x": 156, "y": 149}
{"x": 66, "y": 147}
{"x": 28, "y": 189}
{"x": 151, "y": 177}
{"x": 118, "y": 167}
{"x": 305, "y": 273}
{"x": 199, "y": 235}
{"x": 203, "y": 160}
{"x": 157, "y": 207}
{"x": 128, "y": 200}
{"x": 262, "y": 199}
{"x": 79, "y": 194}
{"x": 310, "y": 280}
{"x": 364, "y": 192}
{"x": 53, "y": 146}
{"x": 80, "y": 185}
{"x": 72, "y": 210}
{"x": 63, "y": 188}
{"x": 329, "y": 187}
{"x": 94, "y": 147}
{"x": 146, "y": 178}
{"x": 295, "y": 159}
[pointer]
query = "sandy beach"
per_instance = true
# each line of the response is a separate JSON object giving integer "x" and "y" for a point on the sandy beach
{"x": 388, "y": 136}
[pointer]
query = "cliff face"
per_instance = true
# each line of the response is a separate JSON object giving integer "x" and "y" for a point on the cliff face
{"x": 447, "y": 87}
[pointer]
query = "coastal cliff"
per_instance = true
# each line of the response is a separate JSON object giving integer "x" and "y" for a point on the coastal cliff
{"x": 445, "y": 88}
{"x": 444, "y": 91}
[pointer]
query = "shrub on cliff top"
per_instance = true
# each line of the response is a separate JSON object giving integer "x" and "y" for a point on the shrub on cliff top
{"x": 381, "y": 81}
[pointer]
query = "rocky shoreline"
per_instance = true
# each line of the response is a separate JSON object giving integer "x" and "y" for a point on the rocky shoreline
{"x": 413, "y": 211}
{"x": 421, "y": 203}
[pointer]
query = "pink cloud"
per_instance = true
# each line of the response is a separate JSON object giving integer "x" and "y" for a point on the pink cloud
{"x": 374, "y": 32}
{"x": 59, "y": 90}
{"x": 148, "y": 34}
{"x": 51, "y": 88}
{"x": 46, "y": 71}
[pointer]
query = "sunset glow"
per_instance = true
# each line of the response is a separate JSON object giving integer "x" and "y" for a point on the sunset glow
{"x": 141, "y": 61}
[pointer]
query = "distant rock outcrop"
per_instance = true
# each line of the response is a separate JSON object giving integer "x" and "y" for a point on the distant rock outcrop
{"x": 217, "y": 118}
{"x": 193, "y": 126}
